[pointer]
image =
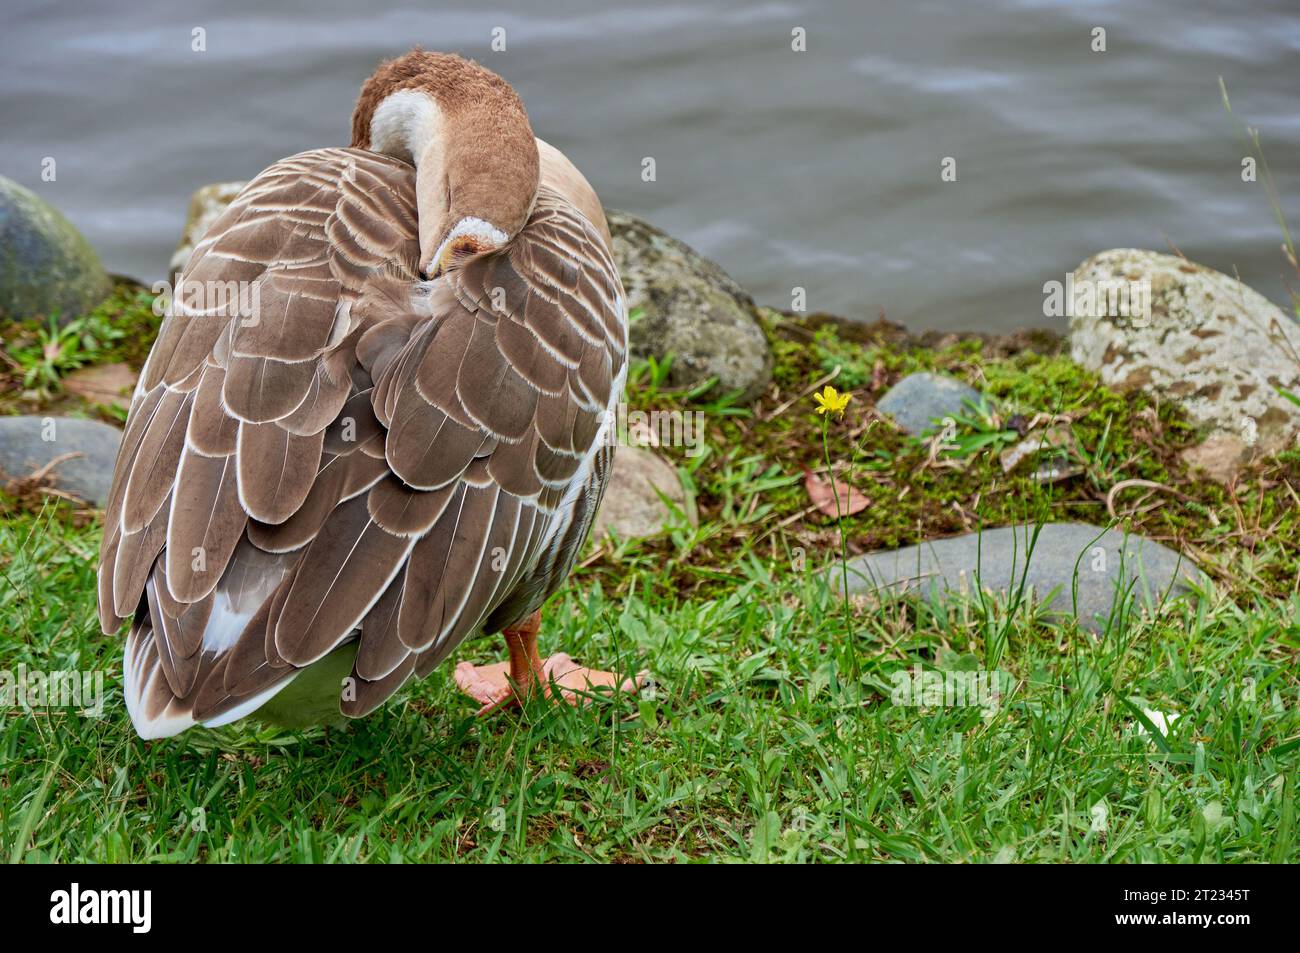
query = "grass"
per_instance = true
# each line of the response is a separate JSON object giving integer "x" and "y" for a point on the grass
{"x": 37, "y": 355}
{"x": 753, "y": 746}
{"x": 756, "y": 742}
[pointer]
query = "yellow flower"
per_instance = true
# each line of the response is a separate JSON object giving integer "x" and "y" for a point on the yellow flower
{"x": 831, "y": 400}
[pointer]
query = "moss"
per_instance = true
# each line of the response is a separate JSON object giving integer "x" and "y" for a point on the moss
{"x": 120, "y": 329}
{"x": 129, "y": 309}
{"x": 748, "y": 482}
{"x": 1243, "y": 536}
{"x": 47, "y": 268}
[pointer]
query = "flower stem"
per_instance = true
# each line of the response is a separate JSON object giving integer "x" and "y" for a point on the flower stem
{"x": 840, "y": 513}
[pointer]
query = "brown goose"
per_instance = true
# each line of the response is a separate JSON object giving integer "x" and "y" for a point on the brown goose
{"x": 398, "y": 436}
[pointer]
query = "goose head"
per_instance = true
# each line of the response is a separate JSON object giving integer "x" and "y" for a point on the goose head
{"x": 466, "y": 132}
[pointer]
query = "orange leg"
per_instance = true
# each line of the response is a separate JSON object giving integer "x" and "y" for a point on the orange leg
{"x": 512, "y": 682}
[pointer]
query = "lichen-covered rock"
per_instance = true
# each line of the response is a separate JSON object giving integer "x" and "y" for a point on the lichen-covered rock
{"x": 72, "y": 455}
{"x": 1208, "y": 342}
{"x": 46, "y": 266}
{"x": 689, "y": 308}
{"x": 206, "y": 206}
{"x": 632, "y": 505}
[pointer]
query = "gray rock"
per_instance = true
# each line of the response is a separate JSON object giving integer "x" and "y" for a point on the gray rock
{"x": 46, "y": 266}
{"x": 206, "y": 206}
{"x": 631, "y": 506}
{"x": 1206, "y": 341}
{"x": 1107, "y": 563}
{"x": 690, "y": 308}
{"x": 29, "y": 443}
{"x": 918, "y": 400}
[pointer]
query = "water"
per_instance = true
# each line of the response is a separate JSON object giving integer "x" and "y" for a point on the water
{"x": 818, "y": 169}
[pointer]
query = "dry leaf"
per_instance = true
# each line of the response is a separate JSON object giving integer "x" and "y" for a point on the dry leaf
{"x": 823, "y": 496}
{"x": 109, "y": 384}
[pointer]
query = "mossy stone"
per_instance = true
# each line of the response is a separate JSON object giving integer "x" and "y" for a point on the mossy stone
{"x": 46, "y": 266}
{"x": 689, "y": 308}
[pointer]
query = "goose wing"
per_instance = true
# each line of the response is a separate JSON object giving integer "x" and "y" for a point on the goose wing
{"x": 351, "y": 455}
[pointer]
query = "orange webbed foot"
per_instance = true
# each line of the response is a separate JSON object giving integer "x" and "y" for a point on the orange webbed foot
{"x": 492, "y": 688}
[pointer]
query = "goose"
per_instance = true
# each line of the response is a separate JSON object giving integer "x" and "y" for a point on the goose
{"x": 395, "y": 439}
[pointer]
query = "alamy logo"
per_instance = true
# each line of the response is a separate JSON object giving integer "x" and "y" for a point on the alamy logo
{"x": 1100, "y": 298}
{"x": 655, "y": 428}
{"x": 926, "y": 688}
{"x": 31, "y": 689}
{"x": 103, "y": 906}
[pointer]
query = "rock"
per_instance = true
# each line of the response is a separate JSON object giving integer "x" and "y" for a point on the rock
{"x": 919, "y": 399}
{"x": 108, "y": 384}
{"x": 1219, "y": 457}
{"x": 631, "y": 506}
{"x": 28, "y": 444}
{"x": 690, "y": 308}
{"x": 1208, "y": 342}
{"x": 46, "y": 266}
{"x": 948, "y": 568}
{"x": 206, "y": 206}
{"x": 1054, "y": 446}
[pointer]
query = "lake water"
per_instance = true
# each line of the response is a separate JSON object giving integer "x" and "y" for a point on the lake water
{"x": 817, "y": 169}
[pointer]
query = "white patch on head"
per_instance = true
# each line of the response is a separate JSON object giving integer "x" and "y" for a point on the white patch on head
{"x": 404, "y": 124}
{"x": 485, "y": 232}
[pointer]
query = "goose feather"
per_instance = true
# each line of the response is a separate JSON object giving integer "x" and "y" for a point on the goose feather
{"x": 379, "y": 462}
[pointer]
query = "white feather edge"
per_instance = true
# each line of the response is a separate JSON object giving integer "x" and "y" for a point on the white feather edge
{"x": 137, "y": 681}
{"x": 564, "y": 512}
